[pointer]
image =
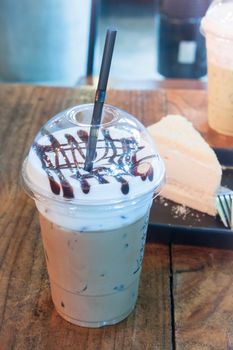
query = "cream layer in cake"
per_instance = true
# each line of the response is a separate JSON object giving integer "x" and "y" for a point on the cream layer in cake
{"x": 193, "y": 173}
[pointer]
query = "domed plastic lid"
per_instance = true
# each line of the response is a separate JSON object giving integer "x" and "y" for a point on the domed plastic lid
{"x": 126, "y": 163}
{"x": 219, "y": 19}
{"x": 184, "y": 9}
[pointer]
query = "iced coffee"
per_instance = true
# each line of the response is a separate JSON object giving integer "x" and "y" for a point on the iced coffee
{"x": 217, "y": 26}
{"x": 93, "y": 223}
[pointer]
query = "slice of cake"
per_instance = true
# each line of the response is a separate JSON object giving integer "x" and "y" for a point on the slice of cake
{"x": 193, "y": 173}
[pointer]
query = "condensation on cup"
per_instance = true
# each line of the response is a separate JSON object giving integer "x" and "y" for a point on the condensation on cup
{"x": 217, "y": 26}
{"x": 93, "y": 224}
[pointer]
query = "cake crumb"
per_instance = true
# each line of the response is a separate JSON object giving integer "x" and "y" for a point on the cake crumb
{"x": 180, "y": 211}
{"x": 163, "y": 201}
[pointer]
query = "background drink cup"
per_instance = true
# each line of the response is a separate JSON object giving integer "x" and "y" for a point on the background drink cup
{"x": 217, "y": 26}
{"x": 94, "y": 247}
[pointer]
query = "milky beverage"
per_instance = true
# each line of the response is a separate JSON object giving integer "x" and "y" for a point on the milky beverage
{"x": 93, "y": 224}
{"x": 218, "y": 28}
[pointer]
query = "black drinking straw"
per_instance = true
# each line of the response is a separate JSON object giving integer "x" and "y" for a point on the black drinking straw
{"x": 99, "y": 98}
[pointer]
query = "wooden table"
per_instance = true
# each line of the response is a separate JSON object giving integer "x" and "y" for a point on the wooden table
{"x": 186, "y": 293}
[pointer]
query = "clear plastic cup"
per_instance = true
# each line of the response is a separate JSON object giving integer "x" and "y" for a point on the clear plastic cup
{"x": 217, "y": 26}
{"x": 93, "y": 224}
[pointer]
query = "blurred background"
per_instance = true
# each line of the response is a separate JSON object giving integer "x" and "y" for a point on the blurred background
{"x": 136, "y": 44}
{"x": 60, "y": 42}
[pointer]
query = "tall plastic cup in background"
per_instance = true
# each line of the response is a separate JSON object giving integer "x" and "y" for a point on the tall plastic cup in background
{"x": 181, "y": 47}
{"x": 217, "y": 26}
{"x": 93, "y": 224}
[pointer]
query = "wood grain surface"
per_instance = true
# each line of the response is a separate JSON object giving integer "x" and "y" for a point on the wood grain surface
{"x": 185, "y": 299}
{"x": 203, "y": 298}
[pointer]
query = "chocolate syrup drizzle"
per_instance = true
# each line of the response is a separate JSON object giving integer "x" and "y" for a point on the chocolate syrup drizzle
{"x": 118, "y": 159}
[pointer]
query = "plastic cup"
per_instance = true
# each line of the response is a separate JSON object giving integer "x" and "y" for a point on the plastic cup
{"x": 217, "y": 26}
{"x": 93, "y": 224}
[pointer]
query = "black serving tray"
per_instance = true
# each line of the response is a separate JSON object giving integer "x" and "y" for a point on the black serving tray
{"x": 170, "y": 223}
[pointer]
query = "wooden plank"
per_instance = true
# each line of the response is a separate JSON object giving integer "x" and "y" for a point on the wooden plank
{"x": 150, "y": 106}
{"x": 146, "y": 84}
{"x": 203, "y": 297}
{"x": 147, "y": 106}
{"x": 193, "y": 105}
{"x": 27, "y": 316}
